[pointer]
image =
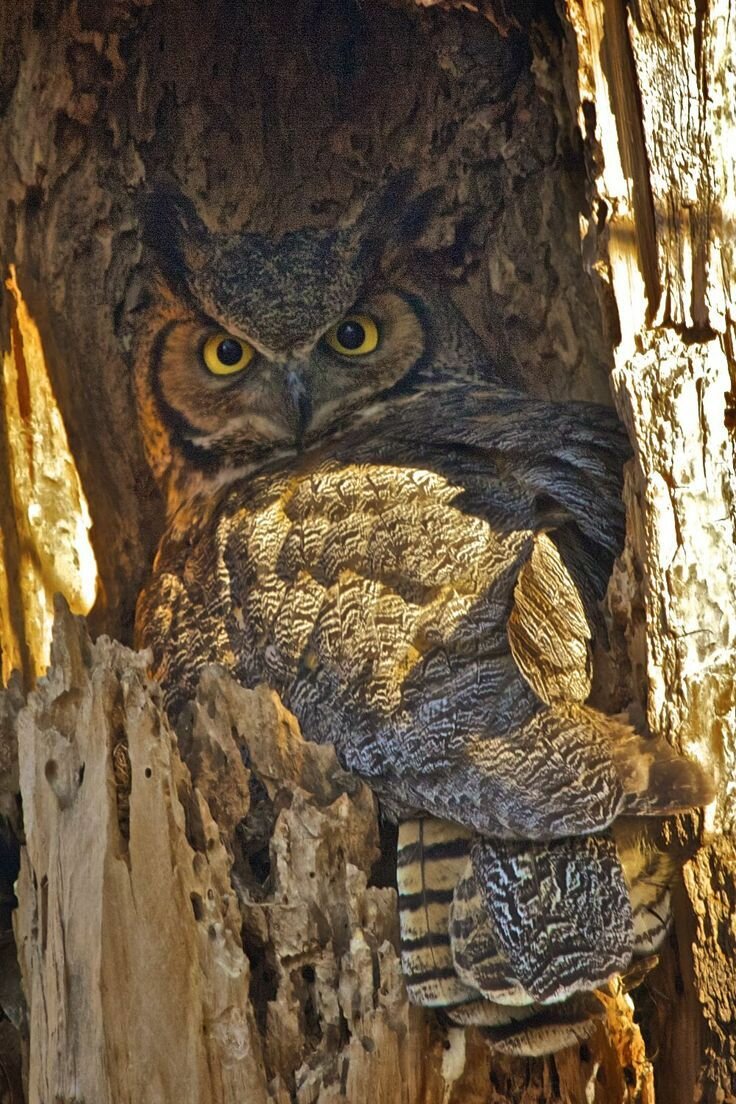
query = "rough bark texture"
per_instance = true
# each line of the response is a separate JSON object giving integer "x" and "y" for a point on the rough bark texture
{"x": 653, "y": 88}
{"x": 157, "y": 949}
{"x": 583, "y": 227}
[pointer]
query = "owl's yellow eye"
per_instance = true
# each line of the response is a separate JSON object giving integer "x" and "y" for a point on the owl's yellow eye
{"x": 225, "y": 355}
{"x": 356, "y": 335}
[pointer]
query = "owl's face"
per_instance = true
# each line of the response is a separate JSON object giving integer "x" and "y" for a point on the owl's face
{"x": 228, "y": 384}
{"x": 252, "y": 347}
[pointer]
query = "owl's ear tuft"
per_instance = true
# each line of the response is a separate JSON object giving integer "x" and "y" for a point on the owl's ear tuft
{"x": 174, "y": 232}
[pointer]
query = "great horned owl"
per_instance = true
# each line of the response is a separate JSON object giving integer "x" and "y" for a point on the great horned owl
{"x": 411, "y": 553}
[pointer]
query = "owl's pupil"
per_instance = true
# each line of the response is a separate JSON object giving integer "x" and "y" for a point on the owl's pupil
{"x": 229, "y": 351}
{"x": 351, "y": 335}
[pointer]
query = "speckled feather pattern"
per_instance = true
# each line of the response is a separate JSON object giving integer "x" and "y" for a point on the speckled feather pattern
{"x": 418, "y": 576}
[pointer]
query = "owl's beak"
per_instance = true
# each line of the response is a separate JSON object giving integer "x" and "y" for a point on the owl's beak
{"x": 300, "y": 401}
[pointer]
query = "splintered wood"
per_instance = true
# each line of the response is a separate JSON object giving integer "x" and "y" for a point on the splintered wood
{"x": 146, "y": 992}
{"x": 652, "y": 86}
{"x": 143, "y": 993}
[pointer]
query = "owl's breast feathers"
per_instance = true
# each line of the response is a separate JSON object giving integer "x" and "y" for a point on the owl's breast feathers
{"x": 421, "y": 590}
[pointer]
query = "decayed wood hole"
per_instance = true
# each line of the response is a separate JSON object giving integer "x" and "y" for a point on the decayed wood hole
{"x": 582, "y": 229}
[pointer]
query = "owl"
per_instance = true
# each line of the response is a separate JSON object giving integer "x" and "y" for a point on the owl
{"x": 363, "y": 515}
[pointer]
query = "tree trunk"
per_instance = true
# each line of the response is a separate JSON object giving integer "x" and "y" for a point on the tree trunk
{"x": 584, "y": 228}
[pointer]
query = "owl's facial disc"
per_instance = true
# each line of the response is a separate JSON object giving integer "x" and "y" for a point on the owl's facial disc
{"x": 227, "y": 401}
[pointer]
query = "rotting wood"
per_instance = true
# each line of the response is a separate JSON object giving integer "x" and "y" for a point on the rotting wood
{"x": 145, "y": 993}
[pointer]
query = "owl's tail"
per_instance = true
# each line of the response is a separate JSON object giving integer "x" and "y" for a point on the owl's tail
{"x": 456, "y": 955}
{"x": 432, "y": 857}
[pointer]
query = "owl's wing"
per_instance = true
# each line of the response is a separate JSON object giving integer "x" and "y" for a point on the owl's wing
{"x": 569, "y": 456}
{"x": 560, "y": 911}
{"x": 509, "y": 748}
{"x": 548, "y": 630}
{"x": 535, "y": 772}
{"x": 514, "y": 937}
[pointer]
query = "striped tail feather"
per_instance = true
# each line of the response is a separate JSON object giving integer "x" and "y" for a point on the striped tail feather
{"x": 431, "y": 856}
{"x": 475, "y": 948}
{"x": 510, "y": 1021}
{"x": 433, "y": 862}
{"x": 451, "y": 960}
{"x": 535, "y": 1030}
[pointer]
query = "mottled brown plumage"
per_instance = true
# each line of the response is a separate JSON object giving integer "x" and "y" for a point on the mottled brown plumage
{"x": 411, "y": 554}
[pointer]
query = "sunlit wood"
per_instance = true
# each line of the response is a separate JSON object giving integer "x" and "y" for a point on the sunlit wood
{"x": 50, "y": 508}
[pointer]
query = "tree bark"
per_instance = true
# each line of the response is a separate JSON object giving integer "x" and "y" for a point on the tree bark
{"x": 587, "y": 198}
{"x": 653, "y": 91}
